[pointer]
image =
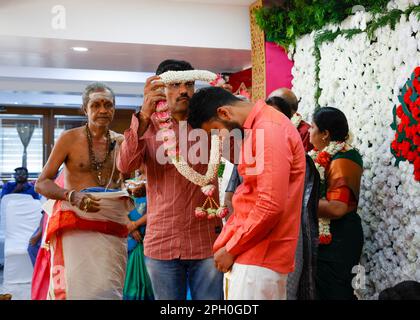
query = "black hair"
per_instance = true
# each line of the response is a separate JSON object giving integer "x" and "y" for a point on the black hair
{"x": 205, "y": 102}
{"x": 333, "y": 120}
{"x": 406, "y": 290}
{"x": 280, "y": 104}
{"x": 173, "y": 65}
{"x": 21, "y": 168}
{"x": 95, "y": 87}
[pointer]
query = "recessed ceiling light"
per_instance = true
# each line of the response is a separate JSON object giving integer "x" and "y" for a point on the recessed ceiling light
{"x": 80, "y": 49}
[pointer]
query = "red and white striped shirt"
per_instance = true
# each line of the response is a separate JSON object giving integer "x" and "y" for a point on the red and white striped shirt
{"x": 172, "y": 229}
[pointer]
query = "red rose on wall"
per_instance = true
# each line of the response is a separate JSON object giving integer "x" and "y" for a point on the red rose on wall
{"x": 406, "y": 144}
{"x": 411, "y": 156}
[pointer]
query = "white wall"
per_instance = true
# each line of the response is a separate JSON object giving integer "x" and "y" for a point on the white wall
{"x": 364, "y": 79}
{"x": 132, "y": 21}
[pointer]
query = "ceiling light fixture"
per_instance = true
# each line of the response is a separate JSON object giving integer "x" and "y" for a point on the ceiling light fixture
{"x": 80, "y": 49}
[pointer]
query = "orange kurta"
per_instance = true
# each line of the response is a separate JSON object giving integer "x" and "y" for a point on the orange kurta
{"x": 264, "y": 228}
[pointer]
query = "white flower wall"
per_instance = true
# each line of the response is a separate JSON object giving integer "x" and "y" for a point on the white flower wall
{"x": 363, "y": 78}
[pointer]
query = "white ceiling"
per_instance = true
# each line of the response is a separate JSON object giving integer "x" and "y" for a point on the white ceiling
{"x": 159, "y": 22}
{"x": 224, "y": 2}
{"x": 57, "y": 53}
{"x": 38, "y": 67}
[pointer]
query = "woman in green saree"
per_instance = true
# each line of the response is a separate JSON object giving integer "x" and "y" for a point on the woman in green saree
{"x": 341, "y": 235}
{"x": 137, "y": 285}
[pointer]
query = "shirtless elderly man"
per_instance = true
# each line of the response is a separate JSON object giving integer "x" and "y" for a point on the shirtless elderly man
{"x": 88, "y": 225}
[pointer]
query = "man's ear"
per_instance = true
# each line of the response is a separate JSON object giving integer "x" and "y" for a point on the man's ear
{"x": 224, "y": 113}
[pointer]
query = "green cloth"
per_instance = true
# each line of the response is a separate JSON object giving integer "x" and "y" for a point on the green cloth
{"x": 137, "y": 284}
{"x": 351, "y": 154}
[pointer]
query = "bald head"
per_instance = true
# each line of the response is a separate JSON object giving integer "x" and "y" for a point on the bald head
{"x": 287, "y": 95}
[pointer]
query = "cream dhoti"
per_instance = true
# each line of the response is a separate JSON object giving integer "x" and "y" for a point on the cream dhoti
{"x": 88, "y": 249}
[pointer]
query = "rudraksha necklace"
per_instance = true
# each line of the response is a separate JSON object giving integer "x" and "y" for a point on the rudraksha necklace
{"x": 98, "y": 166}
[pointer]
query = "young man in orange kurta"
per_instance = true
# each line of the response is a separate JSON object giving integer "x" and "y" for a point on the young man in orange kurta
{"x": 258, "y": 243}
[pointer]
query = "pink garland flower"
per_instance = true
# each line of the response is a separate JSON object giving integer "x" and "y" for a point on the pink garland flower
{"x": 222, "y": 212}
{"x": 200, "y": 212}
{"x": 208, "y": 190}
{"x": 165, "y": 125}
{"x": 218, "y": 82}
{"x": 162, "y": 106}
{"x": 163, "y": 116}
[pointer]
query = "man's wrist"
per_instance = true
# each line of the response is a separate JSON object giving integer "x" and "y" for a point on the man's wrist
{"x": 68, "y": 195}
{"x": 227, "y": 250}
{"x": 142, "y": 116}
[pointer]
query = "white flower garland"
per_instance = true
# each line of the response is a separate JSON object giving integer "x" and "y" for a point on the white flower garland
{"x": 192, "y": 175}
{"x": 188, "y": 75}
{"x": 163, "y": 115}
{"x": 332, "y": 149}
{"x": 296, "y": 119}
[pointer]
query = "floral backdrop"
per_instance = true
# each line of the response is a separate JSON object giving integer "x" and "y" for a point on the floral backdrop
{"x": 363, "y": 77}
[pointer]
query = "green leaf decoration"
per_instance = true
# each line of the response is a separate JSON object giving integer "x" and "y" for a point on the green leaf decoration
{"x": 291, "y": 19}
{"x": 408, "y": 114}
{"x": 414, "y": 96}
{"x": 401, "y": 99}
{"x": 394, "y": 117}
{"x": 289, "y": 32}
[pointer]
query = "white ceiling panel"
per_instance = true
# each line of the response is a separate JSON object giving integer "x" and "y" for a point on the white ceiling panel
{"x": 127, "y": 39}
{"x": 57, "y": 53}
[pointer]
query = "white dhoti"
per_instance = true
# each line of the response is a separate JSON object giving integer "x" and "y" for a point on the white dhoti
{"x": 89, "y": 249}
{"x": 248, "y": 282}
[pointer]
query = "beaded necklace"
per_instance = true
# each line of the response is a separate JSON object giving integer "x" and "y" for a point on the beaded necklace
{"x": 95, "y": 165}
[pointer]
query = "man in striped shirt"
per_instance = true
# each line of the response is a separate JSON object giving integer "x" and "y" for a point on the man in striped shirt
{"x": 177, "y": 246}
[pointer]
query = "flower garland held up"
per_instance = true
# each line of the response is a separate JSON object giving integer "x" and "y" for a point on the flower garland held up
{"x": 190, "y": 75}
{"x": 322, "y": 161}
{"x": 210, "y": 209}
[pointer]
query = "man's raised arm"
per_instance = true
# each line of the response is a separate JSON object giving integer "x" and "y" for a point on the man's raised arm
{"x": 132, "y": 151}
